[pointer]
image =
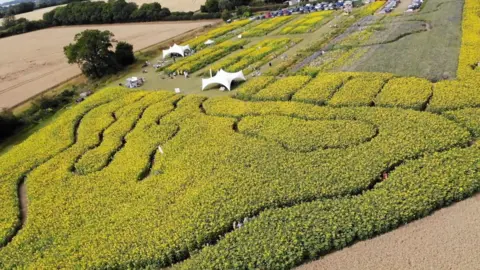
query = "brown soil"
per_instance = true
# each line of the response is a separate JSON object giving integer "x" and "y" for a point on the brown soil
{"x": 34, "y": 62}
{"x": 448, "y": 239}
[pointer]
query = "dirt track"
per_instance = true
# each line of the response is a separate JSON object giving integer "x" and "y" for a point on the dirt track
{"x": 33, "y": 62}
{"x": 448, "y": 239}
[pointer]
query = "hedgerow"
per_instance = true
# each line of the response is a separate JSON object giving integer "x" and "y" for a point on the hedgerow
{"x": 408, "y": 93}
{"x": 282, "y": 89}
{"x": 321, "y": 89}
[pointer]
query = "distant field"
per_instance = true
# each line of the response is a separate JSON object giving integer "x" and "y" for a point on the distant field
{"x": 434, "y": 51}
{"x": 38, "y": 63}
{"x": 173, "y": 5}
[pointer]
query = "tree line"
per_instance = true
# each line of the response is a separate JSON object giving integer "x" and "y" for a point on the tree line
{"x": 86, "y": 12}
{"x": 30, "y": 6}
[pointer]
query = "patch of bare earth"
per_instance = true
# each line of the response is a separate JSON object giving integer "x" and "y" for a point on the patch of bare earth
{"x": 448, "y": 239}
{"x": 33, "y": 62}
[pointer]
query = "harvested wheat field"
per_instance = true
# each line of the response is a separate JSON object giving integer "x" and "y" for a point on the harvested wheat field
{"x": 173, "y": 5}
{"x": 448, "y": 239}
{"x": 37, "y": 61}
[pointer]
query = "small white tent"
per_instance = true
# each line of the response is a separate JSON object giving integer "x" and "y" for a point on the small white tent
{"x": 209, "y": 42}
{"x": 224, "y": 78}
{"x": 176, "y": 49}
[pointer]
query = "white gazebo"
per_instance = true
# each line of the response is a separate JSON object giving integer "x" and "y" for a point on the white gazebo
{"x": 224, "y": 78}
{"x": 176, "y": 49}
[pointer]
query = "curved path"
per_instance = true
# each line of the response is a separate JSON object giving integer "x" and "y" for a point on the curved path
{"x": 448, "y": 239}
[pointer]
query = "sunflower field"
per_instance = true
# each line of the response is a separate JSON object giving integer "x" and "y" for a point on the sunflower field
{"x": 204, "y": 57}
{"x": 283, "y": 170}
{"x": 198, "y": 42}
{"x": 266, "y": 26}
{"x": 307, "y": 23}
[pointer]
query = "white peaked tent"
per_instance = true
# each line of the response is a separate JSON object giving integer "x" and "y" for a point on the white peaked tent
{"x": 224, "y": 78}
{"x": 176, "y": 49}
{"x": 209, "y": 42}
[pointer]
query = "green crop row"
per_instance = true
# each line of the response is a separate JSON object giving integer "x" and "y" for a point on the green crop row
{"x": 243, "y": 59}
{"x": 469, "y": 118}
{"x": 468, "y": 67}
{"x": 307, "y": 24}
{"x": 321, "y": 89}
{"x": 198, "y": 42}
{"x": 308, "y": 135}
{"x": 252, "y": 86}
{"x": 205, "y": 57}
{"x": 282, "y": 89}
{"x": 357, "y": 92}
{"x": 267, "y": 26}
{"x": 452, "y": 95}
{"x": 98, "y": 157}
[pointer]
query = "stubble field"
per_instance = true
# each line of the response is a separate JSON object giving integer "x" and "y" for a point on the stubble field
{"x": 38, "y": 63}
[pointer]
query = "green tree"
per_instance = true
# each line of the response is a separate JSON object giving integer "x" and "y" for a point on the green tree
{"x": 225, "y": 4}
{"x": 9, "y": 21}
{"x": 124, "y": 53}
{"x": 210, "y": 6}
{"x": 226, "y": 15}
{"x": 91, "y": 51}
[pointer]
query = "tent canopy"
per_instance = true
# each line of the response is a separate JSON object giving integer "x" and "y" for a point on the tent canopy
{"x": 224, "y": 78}
{"x": 176, "y": 49}
{"x": 208, "y": 42}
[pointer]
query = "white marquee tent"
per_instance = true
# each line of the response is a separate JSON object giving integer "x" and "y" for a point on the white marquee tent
{"x": 176, "y": 49}
{"x": 224, "y": 78}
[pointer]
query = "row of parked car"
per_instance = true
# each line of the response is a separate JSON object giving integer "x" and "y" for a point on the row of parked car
{"x": 308, "y": 8}
{"x": 392, "y": 4}
{"x": 416, "y": 4}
